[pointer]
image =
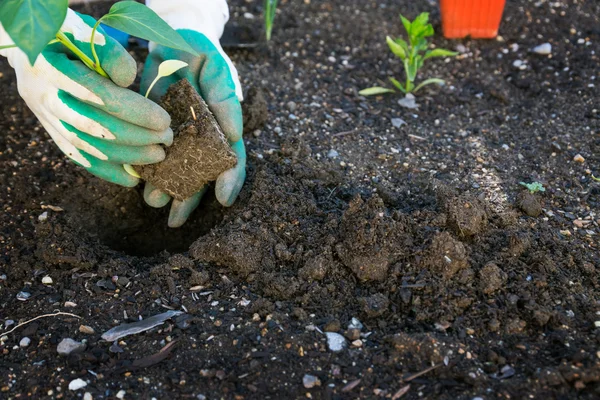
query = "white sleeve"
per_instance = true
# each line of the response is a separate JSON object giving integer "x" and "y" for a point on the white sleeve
{"x": 205, "y": 16}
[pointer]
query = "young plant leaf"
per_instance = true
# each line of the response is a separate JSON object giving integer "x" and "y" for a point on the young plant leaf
{"x": 429, "y": 81}
{"x": 398, "y": 85}
{"x": 375, "y": 90}
{"x": 439, "y": 53}
{"x": 397, "y": 49}
{"x": 406, "y": 23}
{"x": 166, "y": 68}
{"x": 31, "y": 24}
{"x": 410, "y": 69}
{"x": 138, "y": 20}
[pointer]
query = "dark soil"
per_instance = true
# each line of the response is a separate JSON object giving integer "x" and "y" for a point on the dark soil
{"x": 415, "y": 231}
{"x": 199, "y": 153}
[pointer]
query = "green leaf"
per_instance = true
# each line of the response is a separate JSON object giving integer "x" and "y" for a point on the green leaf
{"x": 138, "y": 20}
{"x": 396, "y": 83}
{"x": 402, "y": 43}
{"x": 397, "y": 49}
{"x": 421, "y": 44}
{"x": 270, "y": 7}
{"x": 420, "y": 22}
{"x": 440, "y": 53}
{"x": 411, "y": 70}
{"x": 406, "y": 23}
{"x": 429, "y": 82}
{"x": 375, "y": 90}
{"x": 31, "y": 24}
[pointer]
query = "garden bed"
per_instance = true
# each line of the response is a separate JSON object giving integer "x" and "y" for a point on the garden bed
{"x": 414, "y": 230}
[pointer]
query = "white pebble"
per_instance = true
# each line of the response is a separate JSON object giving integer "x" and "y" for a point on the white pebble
{"x": 310, "y": 381}
{"x": 25, "y": 342}
{"x": 335, "y": 341}
{"x": 333, "y": 154}
{"x": 87, "y": 396}
{"x": 518, "y": 63}
{"x": 77, "y": 384}
{"x": 47, "y": 280}
{"x": 43, "y": 216}
{"x": 543, "y": 49}
{"x": 121, "y": 394}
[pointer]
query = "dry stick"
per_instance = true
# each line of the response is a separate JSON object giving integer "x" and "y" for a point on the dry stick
{"x": 41, "y": 316}
{"x": 193, "y": 113}
{"x": 418, "y": 374}
{"x": 401, "y": 392}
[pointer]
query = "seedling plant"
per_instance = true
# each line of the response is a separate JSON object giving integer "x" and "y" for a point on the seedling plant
{"x": 269, "y": 14}
{"x": 413, "y": 55}
{"x": 33, "y": 24}
{"x": 533, "y": 187}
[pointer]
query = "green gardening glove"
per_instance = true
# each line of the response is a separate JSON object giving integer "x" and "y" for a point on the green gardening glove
{"x": 213, "y": 78}
{"x": 95, "y": 121}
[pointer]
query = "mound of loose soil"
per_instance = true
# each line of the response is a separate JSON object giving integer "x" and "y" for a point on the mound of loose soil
{"x": 199, "y": 153}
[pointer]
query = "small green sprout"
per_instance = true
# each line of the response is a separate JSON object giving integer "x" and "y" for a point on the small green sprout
{"x": 270, "y": 8}
{"x": 533, "y": 187}
{"x": 596, "y": 179}
{"x": 413, "y": 55}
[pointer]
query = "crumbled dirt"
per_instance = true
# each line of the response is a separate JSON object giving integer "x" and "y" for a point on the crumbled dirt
{"x": 529, "y": 203}
{"x": 199, "y": 153}
{"x": 416, "y": 231}
{"x": 255, "y": 109}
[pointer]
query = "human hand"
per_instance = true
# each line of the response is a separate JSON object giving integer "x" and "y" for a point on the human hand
{"x": 215, "y": 79}
{"x": 95, "y": 121}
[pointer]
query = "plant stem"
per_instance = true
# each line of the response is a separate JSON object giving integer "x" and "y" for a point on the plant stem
{"x": 8, "y": 46}
{"x": 93, "y": 45}
{"x": 62, "y": 38}
{"x": 152, "y": 85}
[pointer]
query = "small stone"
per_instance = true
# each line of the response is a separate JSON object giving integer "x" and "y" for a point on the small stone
{"x": 88, "y": 330}
{"x": 408, "y": 102}
{"x": 518, "y": 63}
{"x": 23, "y": 296}
{"x": 543, "y": 49}
{"x": 43, "y": 216}
{"x": 69, "y": 346}
{"x": 25, "y": 342}
{"x": 398, "y": 122}
{"x": 579, "y": 158}
{"x": 292, "y": 117}
{"x": 70, "y": 304}
{"x": 357, "y": 343}
{"x": 333, "y": 154}
{"x": 355, "y": 324}
{"x": 335, "y": 341}
{"x": 291, "y": 106}
{"x": 375, "y": 305}
{"x": 8, "y": 323}
{"x": 352, "y": 334}
{"x": 310, "y": 381}
{"x": 77, "y": 384}
{"x": 121, "y": 394}
{"x": 87, "y": 396}
{"x": 597, "y": 324}
{"x": 47, "y": 280}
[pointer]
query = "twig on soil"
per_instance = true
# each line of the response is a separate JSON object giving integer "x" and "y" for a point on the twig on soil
{"x": 416, "y": 137}
{"x": 344, "y": 133}
{"x": 401, "y": 392}
{"x": 418, "y": 374}
{"x": 39, "y": 317}
{"x": 193, "y": 113}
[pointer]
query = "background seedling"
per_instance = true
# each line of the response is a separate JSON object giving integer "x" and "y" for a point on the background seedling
{"x": 533, "y": 187}
{"x": 269, "y": 11}
{"x": 33, "y": 24}
{"x": 413, "y": 55}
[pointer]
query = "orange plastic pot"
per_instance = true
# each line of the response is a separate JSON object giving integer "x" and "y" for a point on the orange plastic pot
{"x": 475, "y": 18}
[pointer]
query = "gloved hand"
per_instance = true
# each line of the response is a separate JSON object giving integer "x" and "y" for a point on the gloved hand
{"x": 215, "y": 79}
{"x": 95, "y": 121}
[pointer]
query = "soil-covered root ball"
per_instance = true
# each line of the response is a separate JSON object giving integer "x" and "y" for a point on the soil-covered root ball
{"x": 199, "y": 153}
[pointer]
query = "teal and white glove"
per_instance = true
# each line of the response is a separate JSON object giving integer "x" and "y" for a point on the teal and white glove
{"x": 95, "y": 121}
{"x": 216, "y": 80}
